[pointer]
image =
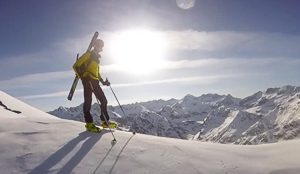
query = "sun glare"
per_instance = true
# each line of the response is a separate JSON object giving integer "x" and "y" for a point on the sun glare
{"x": 138, "y": 51}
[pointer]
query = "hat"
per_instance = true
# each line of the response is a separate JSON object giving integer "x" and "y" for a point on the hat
{"x": 99, "y": 43}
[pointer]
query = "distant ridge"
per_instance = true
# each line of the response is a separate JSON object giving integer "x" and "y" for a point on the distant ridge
{"x": 264, "y": 117}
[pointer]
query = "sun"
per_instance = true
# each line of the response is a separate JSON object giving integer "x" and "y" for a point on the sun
{"x": 138, "y": 51}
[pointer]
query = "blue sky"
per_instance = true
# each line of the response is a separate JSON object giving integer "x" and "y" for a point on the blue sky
{"x": 216, "y": 46}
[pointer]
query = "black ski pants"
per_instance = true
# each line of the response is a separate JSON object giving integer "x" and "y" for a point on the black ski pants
{"x": 89, "y": 86}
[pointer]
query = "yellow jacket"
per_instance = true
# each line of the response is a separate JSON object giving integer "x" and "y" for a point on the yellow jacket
{"x": 87, "y": 65}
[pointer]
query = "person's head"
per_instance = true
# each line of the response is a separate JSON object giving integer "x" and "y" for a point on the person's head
{"x": 98, "y": 45}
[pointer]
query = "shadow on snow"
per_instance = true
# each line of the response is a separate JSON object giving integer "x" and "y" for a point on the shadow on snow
{"x": 117, "y": 158}
{"x": 90, "y": 139}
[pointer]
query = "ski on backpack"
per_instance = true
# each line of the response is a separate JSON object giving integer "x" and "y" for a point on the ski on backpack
{"x": 74, "y": 84}
{"x": 76, "y": 79}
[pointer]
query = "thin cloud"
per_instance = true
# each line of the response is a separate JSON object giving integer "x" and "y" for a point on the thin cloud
{"x": 185, "y": 40}
{"x": 233, "y": 41}
{"x": 31, "y": 79}
{"x": 220, "y": 43}
{"x": 215, "y": 64}
{"x": 200, "y": 65}
{"x": 50, "y": 95}
{"x": 198, "y": 79}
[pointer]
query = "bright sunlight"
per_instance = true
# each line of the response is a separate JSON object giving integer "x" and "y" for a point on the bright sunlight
{"x": 138, "y": 51}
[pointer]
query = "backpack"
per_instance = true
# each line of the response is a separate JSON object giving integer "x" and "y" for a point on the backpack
{"x": 82, "y": 64}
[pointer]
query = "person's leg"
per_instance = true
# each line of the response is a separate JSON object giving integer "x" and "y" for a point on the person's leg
{"x": 101, "y": 97}
{"x": 87, "y": 91}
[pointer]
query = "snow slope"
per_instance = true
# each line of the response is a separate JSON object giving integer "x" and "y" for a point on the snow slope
{"x": 35, "y": 142}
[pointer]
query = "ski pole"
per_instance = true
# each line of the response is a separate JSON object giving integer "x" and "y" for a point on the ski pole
{"x": 114, "y": 140}
{"x": 117, "y": 100}
{"x": 119, "y": 103}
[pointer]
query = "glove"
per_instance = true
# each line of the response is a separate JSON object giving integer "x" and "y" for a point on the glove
{"x": 106, "y": 83}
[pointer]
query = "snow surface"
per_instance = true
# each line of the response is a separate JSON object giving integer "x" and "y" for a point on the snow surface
{"x": 35, "y": 142}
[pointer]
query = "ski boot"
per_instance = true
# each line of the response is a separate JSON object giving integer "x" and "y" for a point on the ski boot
{"x": 112, "y": 125}
{"x": 90, "y": 127}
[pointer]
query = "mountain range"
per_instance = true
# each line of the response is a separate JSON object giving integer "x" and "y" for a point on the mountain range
{"x": 265, "y": 117}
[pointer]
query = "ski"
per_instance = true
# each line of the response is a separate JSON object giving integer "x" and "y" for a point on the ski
{"x": 76, "y": 79}
{"x": 74, "y": 84}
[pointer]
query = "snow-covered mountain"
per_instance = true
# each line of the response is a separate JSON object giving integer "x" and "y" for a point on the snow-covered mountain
{"x": 263, "y": 117}
{"x": 35, "y": 142}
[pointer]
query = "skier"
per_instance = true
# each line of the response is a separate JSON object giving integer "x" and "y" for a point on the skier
{"x": 87, "y": 68}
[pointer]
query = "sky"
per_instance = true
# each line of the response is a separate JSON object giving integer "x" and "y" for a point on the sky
{"x": 153, "y": 49}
